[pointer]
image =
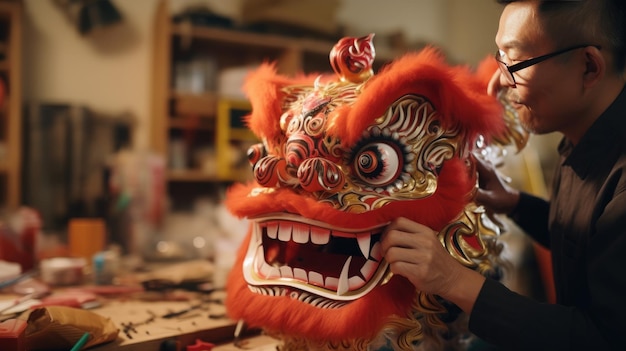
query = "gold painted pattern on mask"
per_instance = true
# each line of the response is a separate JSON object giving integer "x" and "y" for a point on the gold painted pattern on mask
{"x": 301, "y": 115}
{"x": 473, "y": 223}
{"x": 414, "y": 124}
{"x": 338, "y": 94}
{"x": 514, "y": 133}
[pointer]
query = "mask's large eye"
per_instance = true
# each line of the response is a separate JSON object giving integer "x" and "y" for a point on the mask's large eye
{"x": 378, "y": 164}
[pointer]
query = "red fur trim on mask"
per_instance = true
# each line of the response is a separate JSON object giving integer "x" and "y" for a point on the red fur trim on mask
{"x": 263, "y": 87}
{"x": 452, "y": 90}
{"x": 485, "y": 70}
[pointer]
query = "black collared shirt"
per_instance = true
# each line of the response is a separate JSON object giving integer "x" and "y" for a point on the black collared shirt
{"x": 584, "y": 225}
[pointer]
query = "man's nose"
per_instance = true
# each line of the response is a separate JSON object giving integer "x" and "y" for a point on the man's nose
{"x": 496, "y": 83}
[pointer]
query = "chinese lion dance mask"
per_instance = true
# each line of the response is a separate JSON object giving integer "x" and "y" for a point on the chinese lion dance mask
{"x": 341, "y": 156}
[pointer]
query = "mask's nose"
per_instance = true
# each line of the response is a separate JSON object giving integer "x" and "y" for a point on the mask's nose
{"x": 314, "y": 173}
{"x": 320, "y": 174}
{"x": 298, "y": 148}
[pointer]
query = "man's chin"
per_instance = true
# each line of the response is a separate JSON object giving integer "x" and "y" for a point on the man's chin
{"x": 527, "y": 120}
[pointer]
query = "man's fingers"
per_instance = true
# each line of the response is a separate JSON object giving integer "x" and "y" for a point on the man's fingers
{"x": 406, "y": 234}
{"x": 483, "y": 167}
{"x": 482, "y": 196}
{"x": 397, "y": 254}
{"x": 397, "y": 238}
{"x": 406, "y": 225}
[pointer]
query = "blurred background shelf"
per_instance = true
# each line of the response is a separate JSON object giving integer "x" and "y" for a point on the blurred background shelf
{"x": 11, "y": 101}
{"x": 197, "y": 103}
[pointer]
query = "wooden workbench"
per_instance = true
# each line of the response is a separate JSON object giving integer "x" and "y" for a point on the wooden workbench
{"x": 150, "y": 329}
{"x": 149, "y": 320}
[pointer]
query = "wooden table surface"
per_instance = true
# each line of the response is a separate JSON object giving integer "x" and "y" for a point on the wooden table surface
{"x": 145, "y": 326}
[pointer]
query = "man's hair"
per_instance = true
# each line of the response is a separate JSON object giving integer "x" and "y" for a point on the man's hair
{"x": 594, "y": 22}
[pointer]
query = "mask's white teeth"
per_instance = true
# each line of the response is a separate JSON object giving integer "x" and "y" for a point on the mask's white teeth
{"x": 272, "y": 230}
{"x": 376, "y": 252}
{"x": 343, "y": 286}
{"x": 300, "y": 274}
{"x": 316, "y": 278}
{"x": 286, "y": 272}
{"x": 300, "y": 233}
{"x": 320, "y": 236}
{"x": 282, "y": 274}
{"x": 364, "y": 244}
{"x": 284, "y": 231}
{"x": 369, "y": 268}
{"x": 273, "y": 272}
{"x": 356, "y": 282}
{"x": 331, "y": 283}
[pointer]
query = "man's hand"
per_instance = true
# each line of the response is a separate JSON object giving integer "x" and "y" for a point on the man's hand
{"x": 494, "y": 193}
{"x": 414, "y": 252}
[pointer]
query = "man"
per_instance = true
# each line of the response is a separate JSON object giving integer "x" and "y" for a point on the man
{"x": 562, "y": 63}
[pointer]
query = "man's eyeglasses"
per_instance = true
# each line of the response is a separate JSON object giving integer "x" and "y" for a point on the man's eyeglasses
{"x": 508, "y": 71}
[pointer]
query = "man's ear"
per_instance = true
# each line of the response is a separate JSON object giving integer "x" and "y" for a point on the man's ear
{"x": 595, "y": 66}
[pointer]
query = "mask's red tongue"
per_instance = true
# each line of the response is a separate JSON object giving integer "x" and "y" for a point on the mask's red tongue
{"x": 281, "y": 253}
{"x": 310, "y": 257}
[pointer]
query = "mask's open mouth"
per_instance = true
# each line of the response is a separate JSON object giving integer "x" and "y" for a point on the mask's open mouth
{"x": 300, "y": 254}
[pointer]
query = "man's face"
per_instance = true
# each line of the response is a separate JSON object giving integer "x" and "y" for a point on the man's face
{"x": 546, "y": 93}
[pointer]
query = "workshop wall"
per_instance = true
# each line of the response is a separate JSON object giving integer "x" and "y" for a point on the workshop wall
{"x": 109, "y": 71}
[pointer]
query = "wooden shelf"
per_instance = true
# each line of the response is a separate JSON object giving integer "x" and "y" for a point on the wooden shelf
{"x": 251, "y": 39}
{"x": 242, "y": 135}
{"x": 203, "y": 104}
{"x": 199, "y": 176}
{"x": 206, "y": 120}
{"x": 192, "y": 123}
{"x": 190, "y": 175}
{"x": 261, "y": 40}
